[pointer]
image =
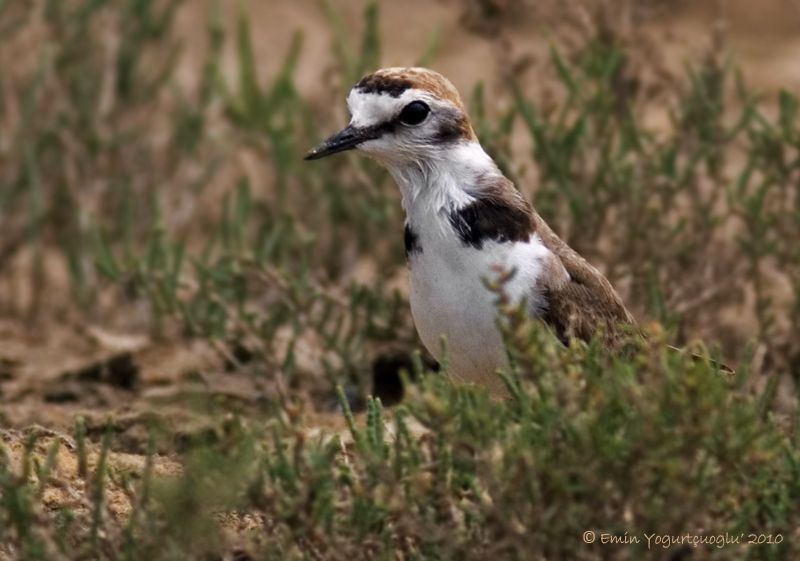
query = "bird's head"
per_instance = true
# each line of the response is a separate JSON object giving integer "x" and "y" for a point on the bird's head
{"x": 401, "y": 115}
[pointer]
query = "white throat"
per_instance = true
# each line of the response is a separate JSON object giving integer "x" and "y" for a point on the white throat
{"x": 447, "y": 274}
{"x": 448, "y": 179}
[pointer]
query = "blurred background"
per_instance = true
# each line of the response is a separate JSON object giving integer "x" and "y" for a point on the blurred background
{"x": 166, "y": 256}
{"x": 153, "y": 195}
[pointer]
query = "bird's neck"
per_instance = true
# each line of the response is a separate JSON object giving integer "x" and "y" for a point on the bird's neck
{"x": 447, "y": 180}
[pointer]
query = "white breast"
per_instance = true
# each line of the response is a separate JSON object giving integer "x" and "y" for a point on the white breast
{"x": 449, "y": 298}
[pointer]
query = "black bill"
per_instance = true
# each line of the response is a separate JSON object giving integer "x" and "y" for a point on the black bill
{"x": 346, "y": 139}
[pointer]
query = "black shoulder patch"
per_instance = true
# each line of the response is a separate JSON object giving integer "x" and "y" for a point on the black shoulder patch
{"x": 411, "y": 241}
{"x": 490, "y": 219}
{"x": 382, "y": 84}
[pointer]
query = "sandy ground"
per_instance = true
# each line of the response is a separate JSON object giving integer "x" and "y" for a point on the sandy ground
{"x": 53, "y": 371}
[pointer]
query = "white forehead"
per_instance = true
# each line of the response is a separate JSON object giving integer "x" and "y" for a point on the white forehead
{"x": 367, "y": 109}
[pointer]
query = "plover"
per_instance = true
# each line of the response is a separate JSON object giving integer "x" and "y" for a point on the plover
{"x": 464, "y": 221}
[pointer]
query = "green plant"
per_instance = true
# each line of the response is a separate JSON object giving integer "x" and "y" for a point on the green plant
{"x": 186, "y": 212}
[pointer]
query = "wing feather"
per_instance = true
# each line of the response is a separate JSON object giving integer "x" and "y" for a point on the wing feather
{"x": 578, "y": 301}
{"x": 572, "y": 297}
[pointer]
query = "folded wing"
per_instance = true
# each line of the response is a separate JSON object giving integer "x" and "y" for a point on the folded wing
{"x": 578, "y": 301}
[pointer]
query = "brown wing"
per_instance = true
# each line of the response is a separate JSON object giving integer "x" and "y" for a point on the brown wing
{"x": 577, "y": 299}
{"x": 573, "y": 297}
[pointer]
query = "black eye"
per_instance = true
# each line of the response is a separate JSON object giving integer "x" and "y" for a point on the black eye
{"x": 414, "y": 113}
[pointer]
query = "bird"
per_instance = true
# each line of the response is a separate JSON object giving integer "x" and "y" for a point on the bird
{"x": 465, "y": 220}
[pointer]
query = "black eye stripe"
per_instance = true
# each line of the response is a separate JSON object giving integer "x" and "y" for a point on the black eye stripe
{"x": 414, "y": 113}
